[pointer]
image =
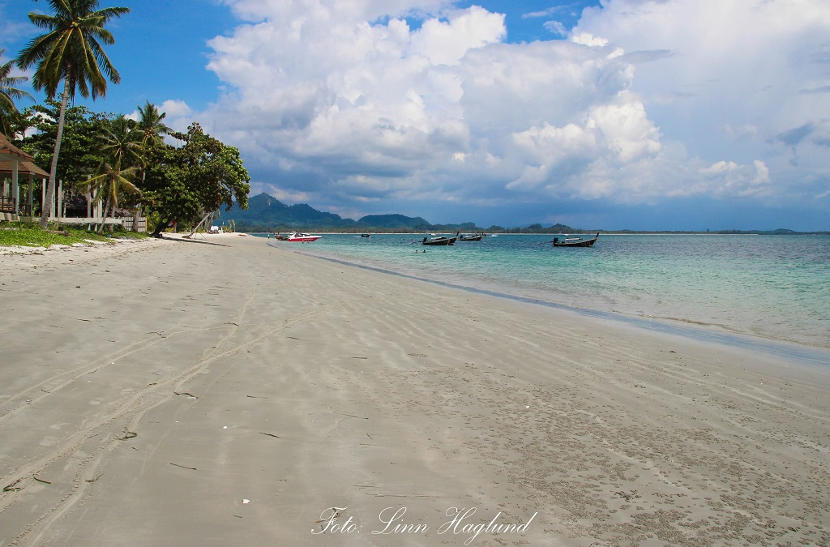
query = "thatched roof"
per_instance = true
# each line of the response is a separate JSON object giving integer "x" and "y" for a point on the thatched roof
{"x": 8, "y": 151}
{"x": 23, "y": 168}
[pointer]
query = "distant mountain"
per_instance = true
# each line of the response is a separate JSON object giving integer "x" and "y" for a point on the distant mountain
{"x": 394, "y": 222}
{"x": 268, "y": 214}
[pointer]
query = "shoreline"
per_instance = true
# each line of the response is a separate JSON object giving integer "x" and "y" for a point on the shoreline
{"x": 814, "y": 355}
{"x": 239, "y": 392}
{"x": 581, "y": 232}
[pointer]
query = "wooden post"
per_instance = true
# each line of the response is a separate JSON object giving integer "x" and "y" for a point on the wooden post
{"x": 60, "y": 199}
{"x": 43, "y": 196}
{"x": 52, "y": 205}
{"x": 15, "y": 187}
{"x": 30, "y": 203}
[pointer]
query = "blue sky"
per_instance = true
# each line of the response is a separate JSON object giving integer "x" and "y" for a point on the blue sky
{"x": 669, "y": 114}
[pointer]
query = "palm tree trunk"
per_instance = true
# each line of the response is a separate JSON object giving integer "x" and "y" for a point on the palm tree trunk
{"x": 50, "y": 188}
{"x": 160, "y": 227}
{"x": 107, "y": 204}
{"x": 137, "y": 212}
{"x": 204, "y": 218}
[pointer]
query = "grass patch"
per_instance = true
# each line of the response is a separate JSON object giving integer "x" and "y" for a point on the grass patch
{"x": 30, "y": 235}
{"x": 121, "y": 233}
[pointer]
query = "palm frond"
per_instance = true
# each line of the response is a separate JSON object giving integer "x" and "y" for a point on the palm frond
{"x": 62, "y": 8}
{"x": 43, "y": 21}
{"x": 51, "y": 69}
{"x": 103, "y": 61}
{"x": 72, "y": 50}
{"x": 109, "y": 13}
{"x": 91, "y": 70}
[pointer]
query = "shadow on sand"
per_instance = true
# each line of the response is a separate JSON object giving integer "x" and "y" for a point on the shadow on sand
{"x": 184, "y": 240}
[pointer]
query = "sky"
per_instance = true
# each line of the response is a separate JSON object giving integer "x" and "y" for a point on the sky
{"x": 607, "y": 114}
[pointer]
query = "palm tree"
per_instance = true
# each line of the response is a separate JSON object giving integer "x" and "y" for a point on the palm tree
{"x": 120, "y": 142}
{"x": 70, "y": 52}
{"x": 8, "y": 94}
{"x": 120, "y": 145}
{"x": 112, "y": 181}
{"x": 150, "y": 127}
{"x": 150, "y": 123}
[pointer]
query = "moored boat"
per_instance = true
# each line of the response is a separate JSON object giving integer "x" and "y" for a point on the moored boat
{"x": 300, "y": 237}
{"x": 433, "y": 239}
{"x": 574, "y": 241}
{"x": 470, "y": 237}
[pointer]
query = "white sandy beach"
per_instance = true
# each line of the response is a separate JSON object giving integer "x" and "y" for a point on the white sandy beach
{"x": 227, "y": 392}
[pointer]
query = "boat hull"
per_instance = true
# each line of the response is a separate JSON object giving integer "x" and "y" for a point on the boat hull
{"x": 304, "y": 239}
{"x": 439, "y": 242}
{"x": 580, "y": 243}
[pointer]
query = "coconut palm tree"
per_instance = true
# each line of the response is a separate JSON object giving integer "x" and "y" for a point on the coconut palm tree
{"x": 150, "y": 127}
{"x": 120, "y": 145}
{"x": 70, "y": 52}
{"x": 112, "y": 181}
{"x": 151, "y": 124}
{"x": 8, "y": 94}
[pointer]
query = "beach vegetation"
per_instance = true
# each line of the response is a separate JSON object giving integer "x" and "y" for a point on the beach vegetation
{"x": 32, "y": 235}
{"x": 150, "y": 128}
{"x": 120, "y": 146}
{"x": 184, "y": 184}
{"x": 70, "y": 52}
{"x": 81, "y": 142}
{"x": 151, "y": 125}
{"x": 125, "y": 162}
{"x": 9, "y": 92}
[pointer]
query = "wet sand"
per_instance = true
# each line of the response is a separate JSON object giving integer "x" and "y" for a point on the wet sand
{"x": 226, "y": 391}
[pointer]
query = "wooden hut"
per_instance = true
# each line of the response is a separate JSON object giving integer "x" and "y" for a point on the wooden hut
{"x": 13, "y": 163}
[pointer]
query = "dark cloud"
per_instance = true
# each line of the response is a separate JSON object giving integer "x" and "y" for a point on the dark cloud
{"x": 794, "y": 136}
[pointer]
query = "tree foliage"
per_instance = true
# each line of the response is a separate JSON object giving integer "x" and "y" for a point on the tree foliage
{"x": 151, "y": 124}
{"x": 119, "y": 157}
{"x": 80, "y": 149}
{"x": 184, "y": 183}
{"x": 70, "y": 52}
{"x": 8, "y": 94}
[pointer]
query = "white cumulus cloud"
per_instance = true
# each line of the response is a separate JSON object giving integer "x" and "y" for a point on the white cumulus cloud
{"x": 349, "y": 101}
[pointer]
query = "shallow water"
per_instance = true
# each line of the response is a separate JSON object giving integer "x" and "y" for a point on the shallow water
{"x": 775, "y": 287}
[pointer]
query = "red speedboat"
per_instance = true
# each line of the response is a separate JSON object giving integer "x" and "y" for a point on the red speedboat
{"x": 302, "y": 237}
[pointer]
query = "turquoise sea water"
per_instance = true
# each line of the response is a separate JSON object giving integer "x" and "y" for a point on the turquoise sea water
{"x": 774, "y": 287}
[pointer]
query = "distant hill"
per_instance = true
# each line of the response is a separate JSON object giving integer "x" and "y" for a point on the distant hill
{"x": 394, "y": 222}
{"x": 268, "y": 214}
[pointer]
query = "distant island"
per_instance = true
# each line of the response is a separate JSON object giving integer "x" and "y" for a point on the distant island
{"x": 265, "y": 213}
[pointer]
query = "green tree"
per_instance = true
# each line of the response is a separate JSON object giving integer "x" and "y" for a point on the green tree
{"x": 150, "y": 127}
{"x": 70, "y": 52}
{"x": 186, "y": 183}
{"x": 8, "y": 94}
{"x": 120, "y": 147}
{"x": 151, "y": 124}
{"x": 81, "y": 153}
{"x": 121, "y": 143}
{"x": 111, "y": 182}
